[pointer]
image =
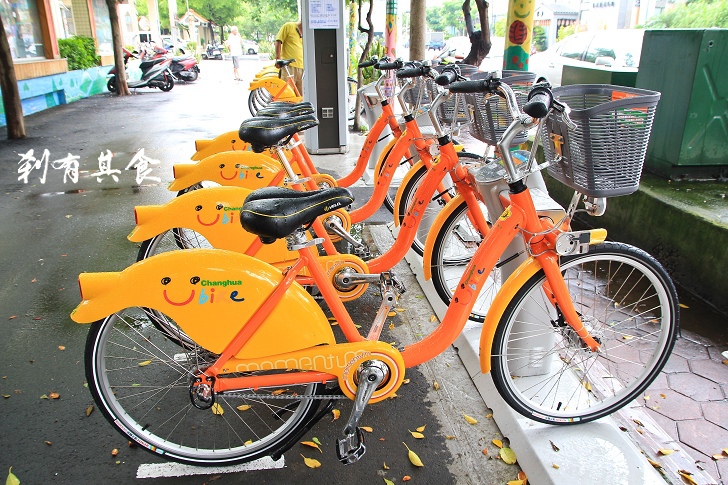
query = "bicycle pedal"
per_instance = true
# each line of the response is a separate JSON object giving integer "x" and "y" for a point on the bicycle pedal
{"x": 351, "y": 448}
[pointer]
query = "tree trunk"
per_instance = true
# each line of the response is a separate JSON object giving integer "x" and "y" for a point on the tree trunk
{"x": 479, "y": 39}
{"x": 122, "y": 88}
{"x": 364, "y": 55}
{"x": 418, "y": 30}
{"x": 9, "y": 86}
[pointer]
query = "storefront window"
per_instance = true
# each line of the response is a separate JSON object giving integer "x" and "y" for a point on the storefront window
{"x": 63, "y": 18}
{"x": 103, "y": 28}
{"x": 20, "y": 18}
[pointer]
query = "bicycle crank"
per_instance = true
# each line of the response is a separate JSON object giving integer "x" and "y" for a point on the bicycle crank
{"x": 351, "y": 447}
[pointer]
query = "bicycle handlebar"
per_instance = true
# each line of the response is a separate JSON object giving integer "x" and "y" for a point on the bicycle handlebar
{"x": 447, "y": 76}
{"x": 540, "y": 100}
{"x": 389, "y": 66}
{"x": 489, "y": 85}
{"x": 370, "y": 63}
{"x": 413, "y": 72}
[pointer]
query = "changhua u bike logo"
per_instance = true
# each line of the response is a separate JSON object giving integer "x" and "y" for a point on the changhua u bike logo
{"x": 226, "y": 217}
{"x": 207, "y": 292}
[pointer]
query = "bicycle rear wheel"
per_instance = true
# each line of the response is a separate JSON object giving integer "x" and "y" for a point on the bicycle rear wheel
{"x": 626, "y": 301}
{"x": 141, "y": 380}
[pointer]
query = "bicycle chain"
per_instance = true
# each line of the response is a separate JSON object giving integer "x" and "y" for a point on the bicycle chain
{"x": 284, "y": 396}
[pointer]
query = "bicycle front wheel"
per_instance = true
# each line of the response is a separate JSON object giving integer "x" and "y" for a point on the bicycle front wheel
{"x": 626, "y": 300}
{"x": 141, "y": 381}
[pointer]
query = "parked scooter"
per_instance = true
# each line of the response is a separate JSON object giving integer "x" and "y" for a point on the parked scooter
{"x": 155, "y": 73}
{"x": 214, "y": 51}
{"x": 184, "y": 67}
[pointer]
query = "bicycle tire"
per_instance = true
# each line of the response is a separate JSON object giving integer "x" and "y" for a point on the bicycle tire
{"x": 454, "y": 246}
{"x": 140, "y": 382}
{"x": 626, "y": 300}
{"x": 437, "y": 202}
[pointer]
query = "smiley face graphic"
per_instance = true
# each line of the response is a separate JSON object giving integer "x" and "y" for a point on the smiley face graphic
{"x": 222, "y": 173}
{"x": 198, "y": 208}
{"x": 181, "y": 302}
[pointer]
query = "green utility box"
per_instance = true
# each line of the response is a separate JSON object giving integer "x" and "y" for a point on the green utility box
{"x": 690, "y": 133}
{"x": 597, "y": 75}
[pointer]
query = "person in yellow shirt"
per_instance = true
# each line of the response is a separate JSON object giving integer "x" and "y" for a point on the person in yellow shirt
{"x": 289, "y": 45}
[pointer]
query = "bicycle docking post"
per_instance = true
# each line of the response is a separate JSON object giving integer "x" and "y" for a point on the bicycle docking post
{"x": 351, "y": 447}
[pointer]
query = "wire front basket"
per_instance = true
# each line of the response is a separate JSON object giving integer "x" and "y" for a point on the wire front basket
{"x": 603, "y": 156}
{"x": 490, "y": 112}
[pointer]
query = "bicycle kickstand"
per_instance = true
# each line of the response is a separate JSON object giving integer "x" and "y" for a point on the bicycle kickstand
{"x": 351, "y": 447}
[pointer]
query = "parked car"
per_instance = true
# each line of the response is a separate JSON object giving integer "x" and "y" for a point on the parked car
{"x": 457, "y": 48}
{"x": 170, "y": 45}
{"x": 616, "y": 48}
{"x": 250, "y": 47}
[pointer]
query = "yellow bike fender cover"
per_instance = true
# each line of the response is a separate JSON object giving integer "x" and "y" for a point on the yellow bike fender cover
{"x": 211, "y": 212}
{"x": 514, "y": 282}
{"x": 227, "y": 142}
{"x": 405, "y": 180}
{"x": 210, "y": 294}
{"x": 449, "y": 208}
{"x": 277, "y": 87}
{"x": 239, "y": 169}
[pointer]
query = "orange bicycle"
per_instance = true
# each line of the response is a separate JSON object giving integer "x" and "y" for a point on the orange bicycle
{"x": 245, "y": 379}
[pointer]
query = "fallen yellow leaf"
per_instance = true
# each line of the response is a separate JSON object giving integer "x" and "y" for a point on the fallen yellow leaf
{"x": 725, "y": 450}
{"x": 391, "y": 326}
{"x": 244, "y": 407}
{"x": 312, "y": 445}
{"x": 278, "y": 392}
{"x": 388, "y": 482}
{"x": 522, "y": 475}
{"x": 484, "y": 451}
{"x": 436, "y": 385}
{"x": 421, "y": 428}
{"x": 413, "y": 456}
{"x": 400, "y": 309}
{"x": 517, "y": 482}
{"x": 368, "y": 429}
{"x": 718, "y": 457}
{"x": 114, "y": 452}
{"x": 498, "y": 443}
{"x": 336, "y": 414}
{"x": 469, "y": 419}
{"x": 311, "y": 463}
{"x": 54, "y": 395}
{"x": 555, "y": 465}
{"x": 406, "y": 381}
{"x": 646, "y": 397}
{"x": 49, "y": 443}
{"x": 663, "y": 396}
{"x": 89, "y": 410}
{"x": 217, "y": 409}
{"x": 61, "y": 347}
{"x": 406, "y": 478}
{"x": 687, "y": 476}
{"x": 385, "y": 466}
{"x": 683, "y": 305}
{"x": 489, "y": 415}
{"x": 666, "y": 452}
{"x": 451, "y": 437}
{"x": 12, "y": 479}
{"x": 249, "y": 442}
{"x": 145, "y": 363}
{"x": 587, "y": 386}
{"x": 333, "y": 323}
{"x": 627, "y": 337}
{"x": 508, "y": 456}
{"x": 433, "y": 318}
{"x": 654, "y": 463}
{"x": 391, "y": 314}
{"x": 417, "y": 435}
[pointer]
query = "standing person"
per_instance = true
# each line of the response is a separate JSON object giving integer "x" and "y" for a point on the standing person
{"x": 289, "y": 45}
{"x": 235, "y": 44}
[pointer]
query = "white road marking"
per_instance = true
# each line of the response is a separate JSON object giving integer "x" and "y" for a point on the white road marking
{"x": 157, "y": 470}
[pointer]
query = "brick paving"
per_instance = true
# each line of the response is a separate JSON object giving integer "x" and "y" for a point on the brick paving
{"x": 694, "y": 409}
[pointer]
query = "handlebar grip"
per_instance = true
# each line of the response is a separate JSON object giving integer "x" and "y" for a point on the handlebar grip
{"x": 389, "y": 66}
{"x": 447, "y": 76}
{"x": 413, "y": 72}
{"x": 539, "y": 102}
{"x": 371, "y": 62}
{"x": 478, "y": 86}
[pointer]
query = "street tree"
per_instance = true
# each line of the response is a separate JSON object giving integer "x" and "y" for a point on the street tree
{"x": 220, "y": 12}
{"x": 692, "y": 15}
{"x": 480, "y": 43}
{"x": 122, "y": 89}
{"x": 9, "y": 86}
{"x": 369, "y": 31}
